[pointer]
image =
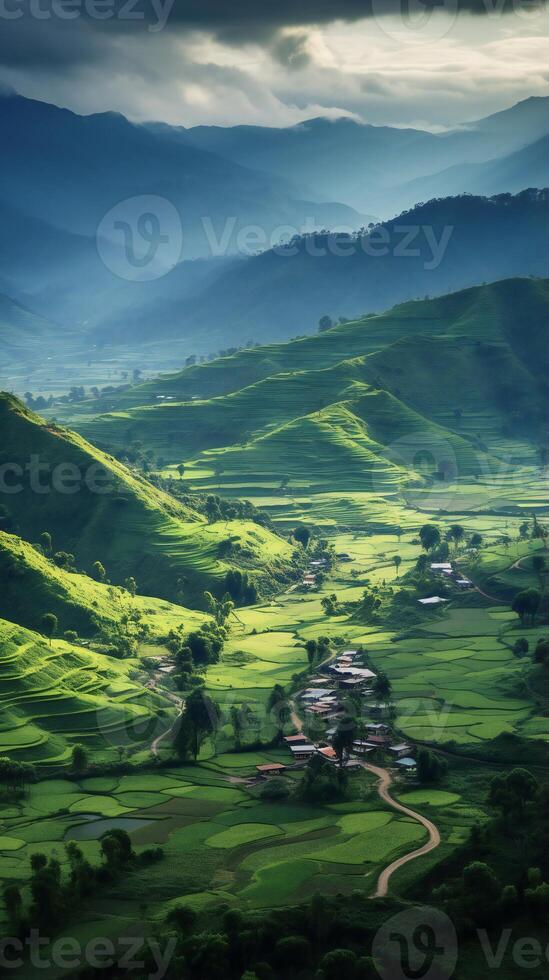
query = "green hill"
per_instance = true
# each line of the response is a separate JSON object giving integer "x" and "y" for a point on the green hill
{"x": 32, "y": 584}
{"x": 52, "y": 697}
{"x": 471, "y": 363}
{"x": 97, "y": 510}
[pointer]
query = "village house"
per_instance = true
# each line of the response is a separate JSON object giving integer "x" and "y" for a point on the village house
{"x": 271, "y": 769}
{"x": 362, "y": 748}
{"x": 302, "y": 752}
{"x": 400, "y": 751}
{"x": 377, "y": 728}
{"x": 378, "y": 741}
{"x": 328, "y": 753}
{"x": 434, "y": 600}
{"x": 408, "y": 766}
{"x": 299, "y": 739}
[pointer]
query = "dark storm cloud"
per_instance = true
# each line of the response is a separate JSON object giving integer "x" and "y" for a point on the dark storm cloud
{"x": 26, "y": 26}
{"x": 247, "y": 19}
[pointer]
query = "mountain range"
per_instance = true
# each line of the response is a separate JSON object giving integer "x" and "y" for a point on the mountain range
{"x": 66, "y": 172}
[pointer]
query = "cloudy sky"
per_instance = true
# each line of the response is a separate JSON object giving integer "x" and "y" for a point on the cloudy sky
{"x": 431, "y": 63}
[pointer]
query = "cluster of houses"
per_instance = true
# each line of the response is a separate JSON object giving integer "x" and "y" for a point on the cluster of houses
{"x": 324, "y": 699}
{"x": 315, "y": 567}
{"x": 321, "y": 565}
{"x": 446, "y": 569}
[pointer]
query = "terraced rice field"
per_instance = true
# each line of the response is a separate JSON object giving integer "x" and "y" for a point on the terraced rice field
{"x": 54, "y": 695}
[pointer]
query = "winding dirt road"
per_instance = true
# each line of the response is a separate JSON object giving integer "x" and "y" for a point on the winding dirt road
{"x": 385, "y": 782}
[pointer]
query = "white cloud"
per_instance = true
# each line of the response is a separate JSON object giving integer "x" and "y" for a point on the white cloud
{"x": 477, "y": 66}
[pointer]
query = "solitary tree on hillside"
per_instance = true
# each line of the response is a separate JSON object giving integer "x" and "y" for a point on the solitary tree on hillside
{"x": 325, "y": 323}
{"x": 46, "y": 542}
{"x": 99, "y": 571}
{"x": 476, "y": 540}
{"x": 49, "y": 625}
{"x": 397, "y": 562}
{"x": 181, "y": 470}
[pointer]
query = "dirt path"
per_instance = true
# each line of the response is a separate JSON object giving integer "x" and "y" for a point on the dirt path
{"x": 385, "y": 782}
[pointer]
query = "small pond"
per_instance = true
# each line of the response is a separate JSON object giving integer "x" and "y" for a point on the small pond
{"x": 95, "y": 826}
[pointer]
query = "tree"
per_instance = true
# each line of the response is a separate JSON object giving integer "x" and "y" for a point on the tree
{"x": 237, "y": 724}
{"x": 330, "y": 604}
{"x": 524, "y": 530}
{"x": 183, "y": 917}
{"x": 430, "y": 769}
{"x": 46, "y": 542}
{"x": 540, "y": 568}
{"x": 397, "y": 562}
{"x": 13, "y": 902}
{"x": 116, "y": 848}
{"x": 343, "y": 738}
{"x": 302, "y": 534}
{"x": 131, "y": 586}
{"x": 49, "y": 625}
{"x": 325, "y": 323}
{"x": 181, "y": 470}
{"x": 541, "y": 653}
{"x": 381, "y": 687}
{"x": 312, "y": 650}
{"x": 476, "y": 540}
{"x": 457, "y": 534}
{"x": 526, "y": 604}
{"x": 79, "y": 759}
{"x": 482, "y": 888}
{"x": 511, "y": 792}
{"x": 338, "y": 964}
{"x": 429, "y": 536}
{"x": 200, "y": 718}
{"x": 99, "y": 571}
{"x": 278, "y": 708}
{"x": 521, "y": 647}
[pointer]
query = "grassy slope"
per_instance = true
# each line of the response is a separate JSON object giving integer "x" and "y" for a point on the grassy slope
{"x": 32, "y": 585}
{"x": 501, "y": 310}
{"x": 53, "y": 697}
{"x": 460, "y": 362}
{"x": 133, "y": 529}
